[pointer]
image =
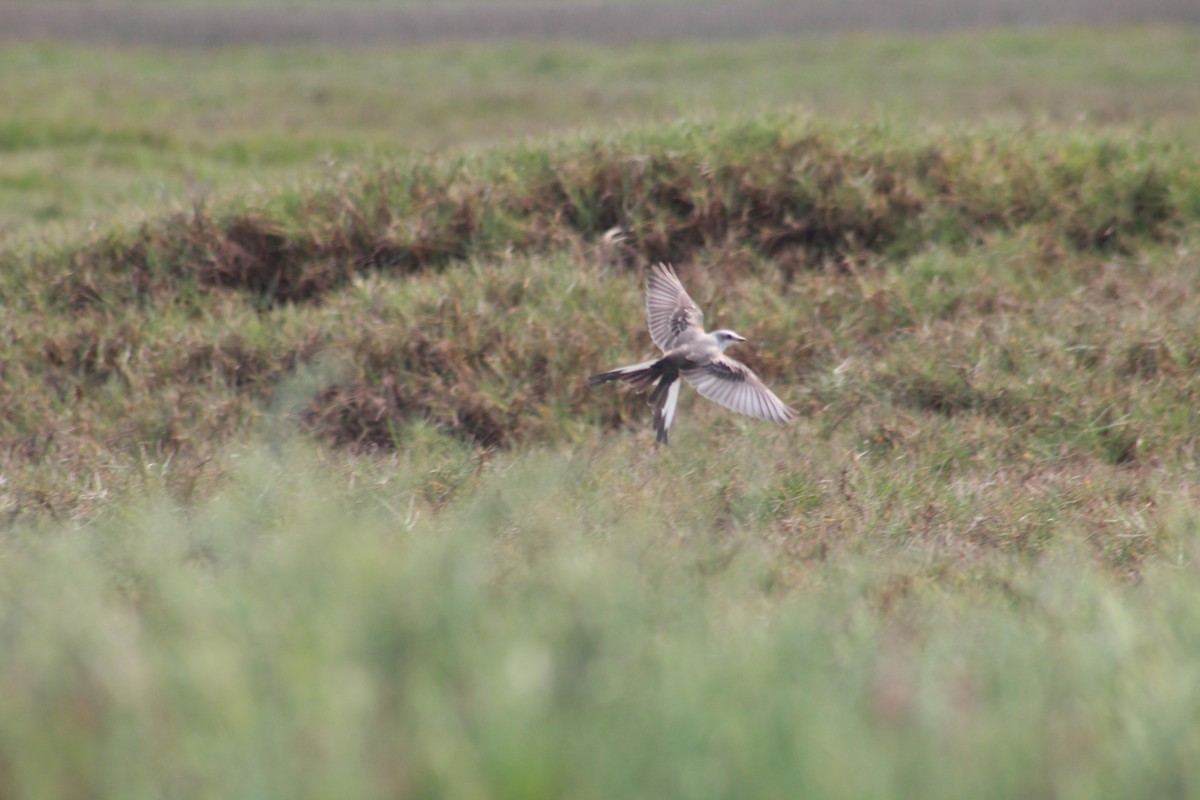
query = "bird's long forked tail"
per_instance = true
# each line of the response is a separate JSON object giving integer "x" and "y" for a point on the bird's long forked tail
{"x": 658, "y": 373}
{"x": 639, "y": 376}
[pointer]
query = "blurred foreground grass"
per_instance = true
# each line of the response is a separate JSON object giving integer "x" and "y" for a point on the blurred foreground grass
{"x": 572, "y": 624}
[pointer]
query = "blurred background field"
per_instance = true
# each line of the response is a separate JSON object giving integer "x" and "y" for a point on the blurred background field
{"x": 359, "y": 22}
{"x": 104, "y": 128}
{"x": 302, "y": 492}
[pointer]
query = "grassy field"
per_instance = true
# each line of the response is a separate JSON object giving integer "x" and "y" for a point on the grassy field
{"x": 304, "y": 494}
{"x": 101, "y": 130}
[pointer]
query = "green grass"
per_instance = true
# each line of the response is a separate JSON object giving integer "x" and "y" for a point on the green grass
{"x": 303, "y": 492}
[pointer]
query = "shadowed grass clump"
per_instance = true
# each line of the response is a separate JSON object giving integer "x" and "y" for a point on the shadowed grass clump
{"x": 366, "y": 417}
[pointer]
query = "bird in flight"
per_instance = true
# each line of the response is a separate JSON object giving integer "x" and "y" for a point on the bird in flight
{"x": 677, "y": 328}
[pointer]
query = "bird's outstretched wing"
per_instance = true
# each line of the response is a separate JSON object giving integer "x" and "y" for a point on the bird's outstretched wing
{"x": 669, "y": 309}
{"x": 732, "y": 384}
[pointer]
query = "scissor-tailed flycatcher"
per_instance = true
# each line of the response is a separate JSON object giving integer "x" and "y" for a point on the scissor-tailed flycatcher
{"x": 677, "y": 327}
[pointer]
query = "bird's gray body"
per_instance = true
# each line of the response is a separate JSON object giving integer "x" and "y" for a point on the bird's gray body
{"x": 676, "y": 326}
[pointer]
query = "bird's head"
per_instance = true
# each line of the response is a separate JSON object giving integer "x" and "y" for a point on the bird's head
{"x": 725, "y": 338}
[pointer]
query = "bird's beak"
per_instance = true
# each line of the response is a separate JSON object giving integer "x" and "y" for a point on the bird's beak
{"x": 739, "y": 338}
